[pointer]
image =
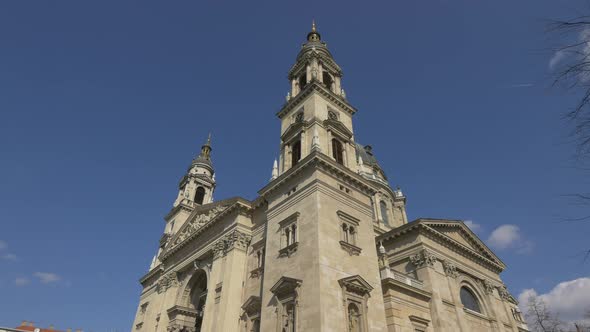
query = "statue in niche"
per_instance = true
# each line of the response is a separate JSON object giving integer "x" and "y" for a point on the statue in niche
{"x": 354, "y": 323}
{"x": 289, "y": 319}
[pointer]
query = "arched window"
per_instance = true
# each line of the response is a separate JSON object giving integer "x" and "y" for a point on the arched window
{"x": 295, "y": 153}
{"x": 384, "y": 213}
{"x": 469, "y": 300}
{"x": 327, "y": 79}
{"x": 302, "y": 81}
{"x": 198, "y": 296}
{"x": 337, "y": 151}
{"x": 200, "y": 195}
{"x": 352, "y": 235}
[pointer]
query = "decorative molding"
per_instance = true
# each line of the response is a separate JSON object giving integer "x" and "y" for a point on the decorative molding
{"x": 257, "y": 272}
{"x": 233, "y": 240}
{"x": 197, "y": 222}
{"x": 422, "y": 227}
{"x": 347, "y": 217}
{"x": 238, "y": 204}
{"x": 356, "y": 284}
{"x": 252, "y": 305}
{"x": 450, "y": 269}
{"x": 180, "y": 310}
{"x": 351, "y": 249}
{"x": 166, "y": 281}
{"x": 179, "y": 328}
{"x": 423, "y": 259}
{"x": 488, "y": 286}
{"x": 504, "y": 293}
{"x": 285, "y": 286}
{"x": 322, "y": 90}
{"x": 289, "y": 250}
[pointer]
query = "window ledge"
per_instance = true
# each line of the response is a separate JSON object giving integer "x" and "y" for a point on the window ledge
{"x": 257, "y": 272}
{"x": 350, "y": 248}
{"x": 288, "y": 250}
{"x": 475, "y": 313}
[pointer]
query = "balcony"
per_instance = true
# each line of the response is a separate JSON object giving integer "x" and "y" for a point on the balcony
{"x": 388, "y": 273}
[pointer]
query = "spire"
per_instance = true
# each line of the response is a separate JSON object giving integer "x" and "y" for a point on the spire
{"x": 275, "y": 170}
{"x": 206, "y": 149}
{"x": 314, "y": 35}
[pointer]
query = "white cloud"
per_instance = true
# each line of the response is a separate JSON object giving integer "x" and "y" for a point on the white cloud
{"x": 9, "y": 257}
{"x": 510, "y": 237}
{"x": 3, "y": 244}
{"x": 570, "y": 300}
{"x": 46, "y": 277}
{"x": 21, "y": 281}
{"x": 473, "y": 226}
{"x": 557, "y": 57}
{"x": 504, "y": 236}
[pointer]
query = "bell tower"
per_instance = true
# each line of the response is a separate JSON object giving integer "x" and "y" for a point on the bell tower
{"x": 197, "y": 185}
{"x": 316, "y": 115}
{"x": 319, "y": 271}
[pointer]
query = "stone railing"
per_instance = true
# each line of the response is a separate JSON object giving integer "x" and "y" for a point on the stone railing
{"x": 387, "y": 272}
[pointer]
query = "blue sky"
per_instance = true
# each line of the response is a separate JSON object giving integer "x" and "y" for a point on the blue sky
{"x": 104, "y": 104}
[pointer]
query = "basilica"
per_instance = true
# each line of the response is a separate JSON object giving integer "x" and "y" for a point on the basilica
{"x": 325, "y": 246}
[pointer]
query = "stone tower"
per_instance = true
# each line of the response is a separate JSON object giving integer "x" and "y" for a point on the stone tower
{"x": 326, "y": 246}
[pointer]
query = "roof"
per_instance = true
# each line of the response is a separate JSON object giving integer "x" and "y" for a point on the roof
{"x": 29, "y": 328}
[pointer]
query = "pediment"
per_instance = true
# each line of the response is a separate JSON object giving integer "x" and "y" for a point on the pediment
{"x": 356, "y": 284}
{"x": 293, "y": 130}
{"x": 459, "y": 233}
{"x": 252, "y": 305}
{"x": 285, "y": 285}
{"x": 196, "y": 220}
{"x": 338, "y": 126}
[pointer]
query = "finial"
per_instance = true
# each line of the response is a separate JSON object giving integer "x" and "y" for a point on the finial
{"x": 313, "y": 25}
{"x": 209, "y": 139}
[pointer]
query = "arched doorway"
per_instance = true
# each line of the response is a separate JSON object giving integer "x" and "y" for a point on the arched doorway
{"x": 198, "y": 296}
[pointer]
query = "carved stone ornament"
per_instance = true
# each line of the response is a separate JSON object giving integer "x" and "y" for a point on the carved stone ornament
{"x": 332, "y": 115}
{"x": 197, "y": 222}
{"x": 423, "y": 258}
{"x": 232, "y": 240}
{"x": 504, "y": 294}
{"x": 488, "y": 286}
{"x": 166, "y": 281}
{"x": 450, "y": 269}
{"x": 180, "y": 328}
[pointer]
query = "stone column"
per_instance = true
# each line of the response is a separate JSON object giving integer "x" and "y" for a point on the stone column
{"x": 232, "y": 287}
{"x": 452, "y": 274}
{"x": 424, "y": 262}
{"x": 210, "y": 315}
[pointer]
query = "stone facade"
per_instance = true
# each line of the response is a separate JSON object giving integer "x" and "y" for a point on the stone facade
{"x": 326, "y": 246}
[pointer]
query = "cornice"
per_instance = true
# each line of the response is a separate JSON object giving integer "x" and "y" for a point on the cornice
{"x": 151, "y": 274}
{"x": 315, "y": 85}
{"x": 319, "y": 160}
